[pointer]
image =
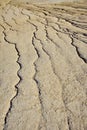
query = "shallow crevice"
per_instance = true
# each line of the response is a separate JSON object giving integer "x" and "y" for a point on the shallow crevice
{"x": 16, "y": 86}
{"x": 77, "y": 49}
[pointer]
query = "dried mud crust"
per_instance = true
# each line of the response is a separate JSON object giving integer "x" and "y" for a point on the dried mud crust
{"x": 43, "y": 77}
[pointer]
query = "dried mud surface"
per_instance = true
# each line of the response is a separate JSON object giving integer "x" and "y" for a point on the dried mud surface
{"x": 43, "y": 66}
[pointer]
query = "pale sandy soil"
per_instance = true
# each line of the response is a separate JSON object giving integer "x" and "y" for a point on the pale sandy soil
{"x": 43, "y": 66}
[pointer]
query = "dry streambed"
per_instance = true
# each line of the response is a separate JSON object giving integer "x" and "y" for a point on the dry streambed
{"x": 43, "y": 62}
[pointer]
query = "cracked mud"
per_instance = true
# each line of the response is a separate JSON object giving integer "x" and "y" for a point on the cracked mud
{"x": 43, "y": 66}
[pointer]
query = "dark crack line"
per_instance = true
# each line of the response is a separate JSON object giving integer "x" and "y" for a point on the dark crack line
{"x": 74, "y": 24}
{"x": 35, "y": 66}
{"x": 44, "y": 50}
{"x": 80, "y": 56}
{"x": 47, "y": 35}
{"x": 68, "y": 120}
{"x": 6, "y": 22}
{"x": 78, "y": 38}
{"x": 16, "y": 86}
{"x": 34, "y": 77}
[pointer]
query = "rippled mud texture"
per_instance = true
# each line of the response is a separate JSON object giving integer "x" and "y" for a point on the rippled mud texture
{"x": 43, "y": 62}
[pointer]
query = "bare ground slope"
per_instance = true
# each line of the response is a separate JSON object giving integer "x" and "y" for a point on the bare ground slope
{"x": 43, "y": 67}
